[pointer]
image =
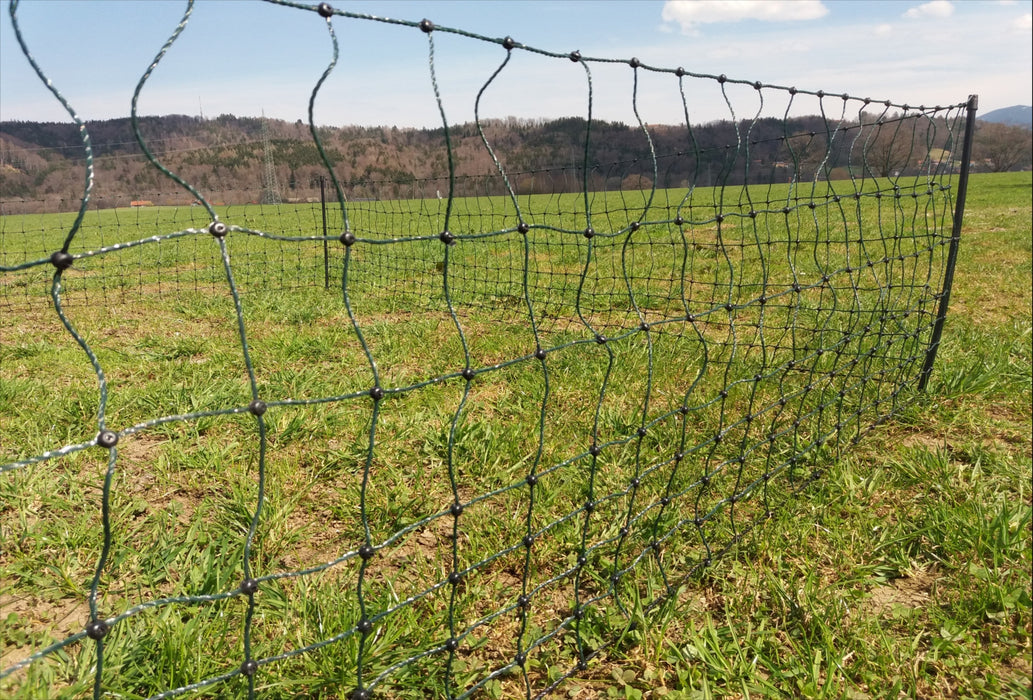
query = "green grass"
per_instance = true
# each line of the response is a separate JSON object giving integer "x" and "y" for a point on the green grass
{"x": 903, "y": 570}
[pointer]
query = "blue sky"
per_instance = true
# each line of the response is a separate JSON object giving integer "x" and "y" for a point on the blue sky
{"x": 246, "y": 56}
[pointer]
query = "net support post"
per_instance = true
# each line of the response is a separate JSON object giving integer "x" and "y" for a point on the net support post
{"x": 326, "y": 248}
{"x": 952, "y": 253}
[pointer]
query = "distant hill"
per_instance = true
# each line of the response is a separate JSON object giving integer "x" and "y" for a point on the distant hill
{"x": 41, "y": 164}
{"x": 1016, "y": 115}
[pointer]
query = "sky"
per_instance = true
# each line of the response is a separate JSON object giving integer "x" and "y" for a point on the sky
{"x": 250, "y": 57}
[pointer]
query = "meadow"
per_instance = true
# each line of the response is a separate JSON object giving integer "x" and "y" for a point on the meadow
{"x": 688, "y": 449}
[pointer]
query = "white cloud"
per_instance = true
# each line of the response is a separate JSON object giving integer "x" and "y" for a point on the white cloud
{"x": 935, "y": 8}
{"x": 690, "y": 13}
{"x": 884, "y": 30}
{"x": 1025, "y": 22}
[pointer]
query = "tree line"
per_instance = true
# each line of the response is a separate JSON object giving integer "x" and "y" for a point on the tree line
{"x": 41, "y": 163}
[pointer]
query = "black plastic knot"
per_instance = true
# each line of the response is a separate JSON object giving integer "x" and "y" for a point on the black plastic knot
{"x": 324, "y": 10}
{"x": 522, "y": 227}
{"x": 634, "y": 225}
{"x": 348, "y": 238}
{"x": 589, "y": 506}
{"x": 217, "y": 229}
{"x": 643, "y": 326}
{"x": 812, "y": 205}
{"x": 582, "y": 560}
{"x": 508, "y": 43}
{"x": 455, "y": 577}
{"x": 722, "y": 78}
{"x": 679, "y": 456}
{"x": 97, "y": 629}
{"x": 426, "y": 26}
{"x": 623, "y": 532}
{"x": 679, "y": 220}
{"x": 578, "y": 613}
{"x": 679, "y": 71}
{"x": 753, "y": 214}
{"x": 452, "y": 644}
{"x": 447, "y": 238}
{"x": 520, "y": 659}
{"x": 664, "y": 501}
{"x": 61, "y": 260}
{"x": 524, "y": 601}
{"x": 589, "y": 232}
{"x": 539, "y": 354}
{"x": 528, "y": 540}
{"x": 456, "y": 509}
{"x": 719, "y": 218}
{"x": 601, "y": 339}
{"x": 364, "y": 626}
{"x": 723, "y": 394}
{"x": 641, "y": 431}
{"x": 792, "y": 91}
{"x": 762, "y": 301}
{"x": 249, "y": 667}
{"x": 531, "y": 479}
{"x": 366, "y": 552}
{"x": 107, "y": 438}
{"x": 758, "y": 85}
{"x": 376, "y": 393}
{"x": 257, "y": 407}
{"x": 867, "y": 100}
{"x": 468, "y": 374}
{"x": 820, "y": 93}
{"x": 249, "y": 586}
{"x": 719, "y": 437}
{"x": 360, "y": 694}
{"x": 594, "y": 450}
{"x": 634, "y": 63}
{"x": 575, "y": 56}
{"x": 635, "y": 483}
{"x": 684, "y": 410}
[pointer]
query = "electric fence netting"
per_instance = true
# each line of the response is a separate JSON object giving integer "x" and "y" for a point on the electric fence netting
{"x": 450, "y": 436}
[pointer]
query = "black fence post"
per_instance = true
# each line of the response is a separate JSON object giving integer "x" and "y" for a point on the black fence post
{"x": 952, "y": 254}
{"x": 326, "y": 249}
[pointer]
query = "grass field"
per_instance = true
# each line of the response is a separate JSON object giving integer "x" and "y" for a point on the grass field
{"x": 899, "y": 566}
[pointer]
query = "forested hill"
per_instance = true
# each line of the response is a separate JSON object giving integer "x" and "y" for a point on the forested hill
{"x": 227, "y": 156}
